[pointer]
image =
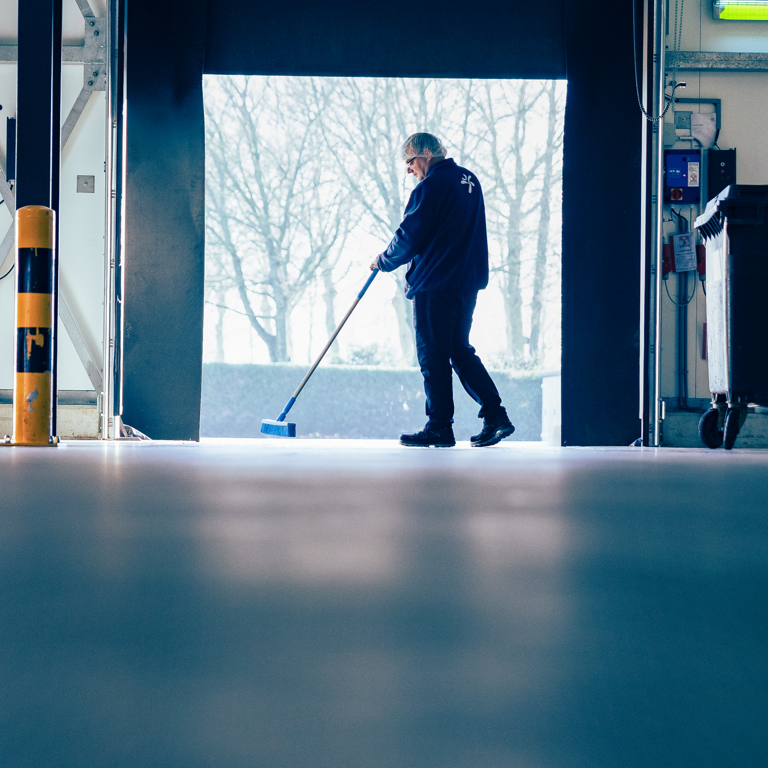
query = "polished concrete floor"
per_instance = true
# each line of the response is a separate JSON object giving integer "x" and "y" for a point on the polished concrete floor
{"x": 330, "y": 604}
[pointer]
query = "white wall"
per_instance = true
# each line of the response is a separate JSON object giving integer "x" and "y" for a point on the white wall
{"x": 744, "y": 119}
{"x": 82, "y": 215}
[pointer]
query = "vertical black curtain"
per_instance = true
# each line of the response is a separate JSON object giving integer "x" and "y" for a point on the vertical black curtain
{"x": 601, "y": 228}
{"x": 164, "y": 218}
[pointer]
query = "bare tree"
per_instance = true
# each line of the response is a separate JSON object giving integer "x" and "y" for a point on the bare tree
{"x": 297, "y": 164}
{"x": 513, "y": 165}
{"x": 272, "y": 206}
{"x": 325, "y": 218}
{"x": 548, "y": 179}
{"x": 217, "y": 284}
{"x": 364, "y": 133}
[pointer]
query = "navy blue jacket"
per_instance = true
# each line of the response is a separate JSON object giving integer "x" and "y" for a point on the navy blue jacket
{"x": 442, "y": 234}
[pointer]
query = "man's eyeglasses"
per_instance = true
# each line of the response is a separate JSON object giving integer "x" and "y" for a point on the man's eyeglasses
{"x": 409, "y": 163}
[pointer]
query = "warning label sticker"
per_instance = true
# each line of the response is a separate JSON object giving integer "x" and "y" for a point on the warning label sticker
{"x": 693, "y": 174}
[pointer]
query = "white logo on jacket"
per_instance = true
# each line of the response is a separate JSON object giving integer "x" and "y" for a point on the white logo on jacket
{"x": 467, "y": 179}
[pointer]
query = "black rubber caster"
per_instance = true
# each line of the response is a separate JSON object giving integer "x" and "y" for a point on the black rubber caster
{"x": 732, "y": 426}
{"x": 710, "y": 435}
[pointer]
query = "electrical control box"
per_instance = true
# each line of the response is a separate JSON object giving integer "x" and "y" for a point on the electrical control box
{"x": 682, "y": 182}
{"x": 721, "y": 170}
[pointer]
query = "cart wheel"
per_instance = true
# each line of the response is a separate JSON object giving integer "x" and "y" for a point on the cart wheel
{"x": 732, "y": 426}
{"x": 710, "y": 435}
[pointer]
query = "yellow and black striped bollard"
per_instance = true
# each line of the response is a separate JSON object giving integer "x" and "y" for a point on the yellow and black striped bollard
{"x": 32, "y": 392}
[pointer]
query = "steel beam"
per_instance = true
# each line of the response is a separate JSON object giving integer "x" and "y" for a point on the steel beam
{"x": 7, "y": 253}
{"x": 706, "y": 61}
{"x": 91, "y": 368}
{"x": 36, "y": 149}
{"x": 95, "y": 46}
{"x": 7, "y": 256}
{"x": 7, "y": 194}
{"x": 85, "y": 9}
{"x": 70, "y": 54}
{"x": 92, "y": 51}
{"x": 74, "y": 114}
{"x": 73, "y": 331}
{"x": 656, "y": 222}
{"x": 55, "y": 163}
{"x": 111, "y": 400}
{"x": 90, "y": 365}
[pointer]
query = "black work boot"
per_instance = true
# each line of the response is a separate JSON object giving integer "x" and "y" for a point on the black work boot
{"x": 493, "y": 432}
{"x": 441, "y": 438}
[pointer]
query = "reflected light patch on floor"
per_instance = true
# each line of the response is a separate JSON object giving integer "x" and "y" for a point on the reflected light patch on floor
{"x": 294, "y": 603}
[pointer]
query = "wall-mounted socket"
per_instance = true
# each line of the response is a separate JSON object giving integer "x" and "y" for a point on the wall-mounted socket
{"x": 683, "y": 121}
{"x": 86, "y": 183}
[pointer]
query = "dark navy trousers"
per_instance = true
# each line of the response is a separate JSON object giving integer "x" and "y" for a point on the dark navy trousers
{"x": 442, "y": 320}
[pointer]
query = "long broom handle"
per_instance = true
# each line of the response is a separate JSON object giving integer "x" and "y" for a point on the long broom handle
{"x": 360, "y": 295}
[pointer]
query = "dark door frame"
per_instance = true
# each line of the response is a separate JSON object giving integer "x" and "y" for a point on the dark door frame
{"x": 164, "y": 194}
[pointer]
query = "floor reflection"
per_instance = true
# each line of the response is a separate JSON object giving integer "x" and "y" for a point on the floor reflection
{"x": 196, "y": 606}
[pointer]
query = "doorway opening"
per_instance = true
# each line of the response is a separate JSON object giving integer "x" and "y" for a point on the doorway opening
{"x": 305, "y": 185}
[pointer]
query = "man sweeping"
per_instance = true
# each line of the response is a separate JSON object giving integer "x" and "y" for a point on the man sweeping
{"x": 443, "y": 240}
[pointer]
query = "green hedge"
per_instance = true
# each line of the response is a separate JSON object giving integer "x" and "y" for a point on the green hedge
{"x": 348, "y": 401}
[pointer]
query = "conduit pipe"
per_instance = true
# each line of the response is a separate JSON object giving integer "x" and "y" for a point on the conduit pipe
{"x": 659, "y": 77}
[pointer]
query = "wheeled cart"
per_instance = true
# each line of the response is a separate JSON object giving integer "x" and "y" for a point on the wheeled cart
{"x": 735, "y": 229}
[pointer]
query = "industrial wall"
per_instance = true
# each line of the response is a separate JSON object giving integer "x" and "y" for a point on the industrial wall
{"x": 82, "y": 215}
{"x": 744, "y": 115}
{"x": 171, "y": 45}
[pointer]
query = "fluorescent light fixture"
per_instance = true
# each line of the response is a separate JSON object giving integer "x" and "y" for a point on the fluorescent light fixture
{"x": 740, "y": 10}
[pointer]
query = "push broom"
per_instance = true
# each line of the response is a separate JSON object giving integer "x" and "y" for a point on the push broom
{"x": 279, "y": 427}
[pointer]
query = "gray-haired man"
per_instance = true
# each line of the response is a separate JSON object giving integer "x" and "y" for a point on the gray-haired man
{"x": 443, "y": 240}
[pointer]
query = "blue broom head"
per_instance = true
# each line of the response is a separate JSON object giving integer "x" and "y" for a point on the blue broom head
{"x": 278, "y": 428}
